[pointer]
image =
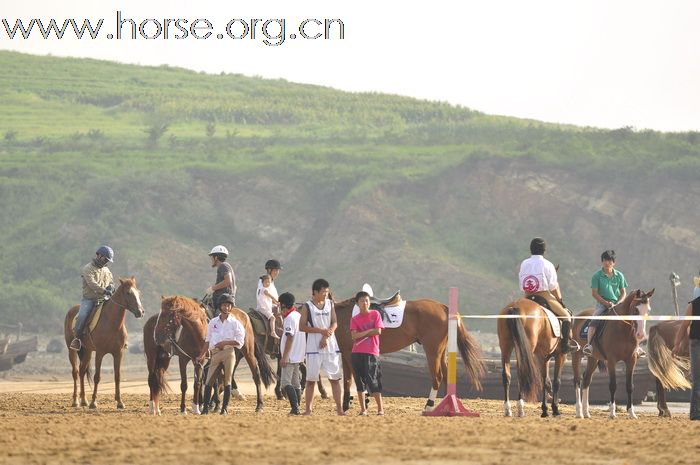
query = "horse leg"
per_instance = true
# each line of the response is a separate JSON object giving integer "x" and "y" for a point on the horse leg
{"x": 347, "y": 381}
{"x": 74, "y": 363}
{"x": 556, "y": 383}
{"x": 629, "y": 364}
{"x": 322, "y": 389}
{"x": 197, "y": 394}
{"x": 576, "y": 368}
{"x": 661, "y": 400}
{"x": 84, "y": 367}
{"x": 255, "y": 370}
{"x": 433, "y": 360}
{"x": 505, "y": 376}
{"x": 545, "y": 382}
{"x": 613, "y": 387}
{"x": 117, "y": 361}
{"x": 96, "y": 379}
{"x": 278, "y": 388}
{"x": 587, "y": 378}
{"x": 234, "y": 387}
{"x": 183, "y": 384}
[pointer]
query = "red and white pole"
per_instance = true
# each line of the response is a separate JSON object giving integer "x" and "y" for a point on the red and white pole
{"x": 451, "y": 406}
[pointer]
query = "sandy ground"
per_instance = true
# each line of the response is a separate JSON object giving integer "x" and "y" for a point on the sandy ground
{"x": 38, "y": 426}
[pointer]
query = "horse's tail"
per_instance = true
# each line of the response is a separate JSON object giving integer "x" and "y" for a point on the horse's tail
{"x": 670, "y": 371}
{"x": 156, "y": 377}
{"x": 266, "y": 374}
{"x": 472, "y": 356}
{"x": 529, "y": 379}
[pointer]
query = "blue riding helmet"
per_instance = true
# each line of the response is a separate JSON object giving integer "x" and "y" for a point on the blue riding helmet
{"x": 107, "y": 252}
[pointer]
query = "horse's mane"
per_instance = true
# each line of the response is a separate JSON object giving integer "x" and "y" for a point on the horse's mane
{"x": 186, "y": 308}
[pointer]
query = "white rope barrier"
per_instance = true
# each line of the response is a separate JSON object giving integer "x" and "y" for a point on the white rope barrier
{"x": 599, "y": 317}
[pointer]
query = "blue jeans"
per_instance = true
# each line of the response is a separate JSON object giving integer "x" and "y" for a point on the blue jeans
{"x": 86, "y": 306}
{"x": 695, "y": 379}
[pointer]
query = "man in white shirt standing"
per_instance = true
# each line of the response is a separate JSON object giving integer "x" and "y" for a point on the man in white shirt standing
{"x": 224, "y": 334}
{"x": 539, "y": 277}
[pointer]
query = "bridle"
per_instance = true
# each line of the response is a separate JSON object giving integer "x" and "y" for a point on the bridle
{"x": 171, "y": 328}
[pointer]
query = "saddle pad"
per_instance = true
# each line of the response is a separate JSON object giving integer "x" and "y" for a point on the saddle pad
{"x": 260, "y": 324}
{"x": 554, "y": 321}
{"x": 584, "y": 329}
{"x": 392, "y": 316}
{"x": 93, "y": 321}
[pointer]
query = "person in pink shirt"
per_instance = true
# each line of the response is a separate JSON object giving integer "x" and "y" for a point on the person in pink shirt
{"x": 365, "y": 328}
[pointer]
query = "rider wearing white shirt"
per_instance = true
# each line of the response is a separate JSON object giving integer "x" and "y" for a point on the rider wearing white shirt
{"x": 539, "y": 277}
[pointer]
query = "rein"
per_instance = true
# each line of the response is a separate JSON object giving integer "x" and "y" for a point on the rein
{"x": 172, "y": 340}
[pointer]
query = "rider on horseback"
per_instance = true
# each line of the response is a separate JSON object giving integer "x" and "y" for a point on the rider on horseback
{"x": 98, "y": 284}
{"x": 539, "y": 277}
{"x": 608, "y": 287}
{"x": 225, "y": 278}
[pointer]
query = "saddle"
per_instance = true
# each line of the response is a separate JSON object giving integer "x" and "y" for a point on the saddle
{"x": 93, "y": 317}
{"x": 379, "y": 304}
{"x": 261, "y": 327}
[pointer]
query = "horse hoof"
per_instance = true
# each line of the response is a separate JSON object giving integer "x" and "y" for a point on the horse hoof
{"x": 183, "y": 412}
{"x": 93, "y": 406}
{"x": 120, "y": 405}
{"x": 544, "y": 415}
{"x": 259, "y": 409}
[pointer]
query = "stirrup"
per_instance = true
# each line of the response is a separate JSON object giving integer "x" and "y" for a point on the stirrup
{"x": 588, "y": 350}
{"x": 640, "y": 352}
{"x": 75, "y": 344}
{"x": 574, "y": 346}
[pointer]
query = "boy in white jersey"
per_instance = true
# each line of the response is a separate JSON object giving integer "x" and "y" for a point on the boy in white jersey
{"x": 318, "y": 321}
{"x": 293, "y": 350}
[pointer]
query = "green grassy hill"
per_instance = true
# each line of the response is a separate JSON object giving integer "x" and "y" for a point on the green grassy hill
{"x": 164, "y": 163}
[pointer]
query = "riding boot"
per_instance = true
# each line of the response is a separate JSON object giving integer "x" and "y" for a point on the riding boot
{"x": 207, "y": 399}
{"x": 227, "y": 397}
{"x": 293, "y": 399}
{"x": 298, "y": 392}
{"x": 565, "y": 330}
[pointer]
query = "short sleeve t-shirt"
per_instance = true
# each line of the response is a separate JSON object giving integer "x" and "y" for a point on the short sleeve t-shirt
{"x": 221, "y": 272}
{"x": 363, "y": 322}
{"x": 537, "y": 274}
{"x": 611, "y": 287}
{"x": 291, "y": 328}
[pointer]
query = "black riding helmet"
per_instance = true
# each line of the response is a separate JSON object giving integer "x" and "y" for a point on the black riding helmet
{"x": 226, "y": 298}
{"x": 273, "y": 265}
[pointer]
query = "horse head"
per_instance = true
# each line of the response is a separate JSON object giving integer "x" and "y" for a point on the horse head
{"x": 168, "y": 320}
{"x": 641, "y": 302}
{"x": 128, "y": 296}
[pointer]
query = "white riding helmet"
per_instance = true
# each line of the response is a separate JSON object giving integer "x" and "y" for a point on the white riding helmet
{"x": 219, "y": 249}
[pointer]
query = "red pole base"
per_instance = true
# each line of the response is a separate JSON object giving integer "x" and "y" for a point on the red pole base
{"x": 451, "y": 406}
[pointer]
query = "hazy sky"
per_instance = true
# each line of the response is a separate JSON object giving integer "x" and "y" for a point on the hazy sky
{"x": 586, "y": 62}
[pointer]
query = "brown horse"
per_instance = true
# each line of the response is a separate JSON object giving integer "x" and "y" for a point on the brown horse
{"x": 108, "y": 337}
{"x": 530, "y": 333}
{"x": 425, "y": 321}
{"x": 614, "y": 340}
{"x": 180, "y": 328}
{"x": 670, "y": 372}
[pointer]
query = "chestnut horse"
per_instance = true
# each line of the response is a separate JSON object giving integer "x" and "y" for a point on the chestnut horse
{"x": 424, "y": 321}
{"x": 670, "y": 372}
{"x": 180, "y": 328}
{"x": 108, "y": 337}
{"x": 614, "y": 340}
{"x": 529, "y": 332}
